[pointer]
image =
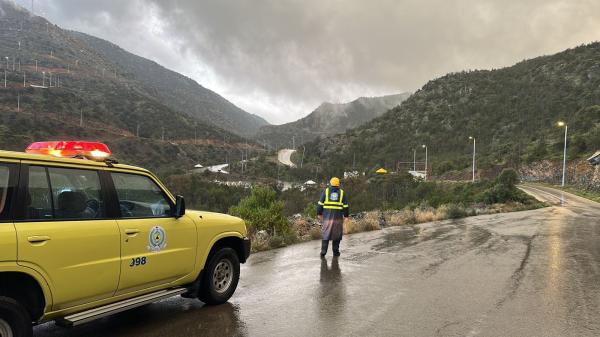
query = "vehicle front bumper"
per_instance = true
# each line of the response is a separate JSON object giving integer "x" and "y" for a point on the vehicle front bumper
{"x": 246, "y": 247}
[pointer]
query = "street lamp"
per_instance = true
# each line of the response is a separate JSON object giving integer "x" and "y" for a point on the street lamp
{"x": 473, "y": 138}
{"x": 425, "y": 147}
{"x": 561, "y": 124}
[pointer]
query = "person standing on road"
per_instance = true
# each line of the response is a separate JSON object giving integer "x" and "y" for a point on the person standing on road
{"x": 333, "y": 212}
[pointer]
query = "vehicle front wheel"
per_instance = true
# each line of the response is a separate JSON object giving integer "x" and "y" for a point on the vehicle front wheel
{"x": 221, "y": 277}
{"x": 15, "y": 321}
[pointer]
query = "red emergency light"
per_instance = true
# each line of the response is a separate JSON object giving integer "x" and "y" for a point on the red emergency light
{"x": 89, "y": 150}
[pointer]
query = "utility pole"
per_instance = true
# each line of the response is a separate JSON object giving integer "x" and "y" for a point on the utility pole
{"x": 565, "y": 152}
{"x": 415, "y": 160}
{"x": 36, "y": 68}
{"x": 23, "y": 79}
{"x": 5, "y": 78}
{"x": 473, "y": 138}
{"x": 43, "y": 78}
{"x": 426, "y": 163}
{"x": 303, "y": 152}
{"x": 18, "y": 102}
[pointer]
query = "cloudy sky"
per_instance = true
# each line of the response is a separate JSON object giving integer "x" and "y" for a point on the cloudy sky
{"x": 281, "y": 58}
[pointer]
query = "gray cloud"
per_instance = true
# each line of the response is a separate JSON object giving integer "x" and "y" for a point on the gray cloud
{"x": 280, "y": 59}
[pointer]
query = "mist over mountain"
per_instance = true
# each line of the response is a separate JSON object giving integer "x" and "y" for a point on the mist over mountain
{"x": 329, "y": 119}
{"x": 512, "y": 113}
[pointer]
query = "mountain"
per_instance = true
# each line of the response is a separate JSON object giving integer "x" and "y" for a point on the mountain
{"x": 73, "y": 90}
{"x": 512, "y": 113}
{"x": 329, "y": 119}
{"x": 176, "y": 91}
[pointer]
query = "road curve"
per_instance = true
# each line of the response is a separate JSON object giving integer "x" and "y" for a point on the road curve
{"x": 285, "y": 157}
{"x": 532, "y": 273}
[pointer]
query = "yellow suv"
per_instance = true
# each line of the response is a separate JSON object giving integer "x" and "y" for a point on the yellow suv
{"x": 83, "y": 237}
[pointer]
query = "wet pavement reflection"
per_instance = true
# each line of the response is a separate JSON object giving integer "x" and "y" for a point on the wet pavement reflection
{"x": 533, "y": 273}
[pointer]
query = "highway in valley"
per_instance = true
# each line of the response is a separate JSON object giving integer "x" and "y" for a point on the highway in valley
{"x": 285, "y": 157}
{"x": 532, "y": 273}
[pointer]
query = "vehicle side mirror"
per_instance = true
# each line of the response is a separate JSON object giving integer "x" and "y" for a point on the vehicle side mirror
{"x": 179, "y": 206}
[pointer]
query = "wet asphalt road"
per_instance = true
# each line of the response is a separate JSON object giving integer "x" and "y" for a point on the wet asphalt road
{"x": 533, "y": 273}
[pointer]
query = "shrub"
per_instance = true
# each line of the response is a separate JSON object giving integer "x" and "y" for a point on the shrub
{"x": 369, "y": 222}
{"x": 504, "y": 189}
{"x": 310, "y": 210}
{"x": 404, "y": 217}
{"x": 425, "y": 214}
{"x": 262, "y": 211}
{"x": 508, "y": 178}
{"x": 451, "y": 211}
{"x": 277, "y": 241}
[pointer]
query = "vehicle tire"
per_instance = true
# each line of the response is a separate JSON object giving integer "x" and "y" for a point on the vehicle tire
{"x": 15, "y": 321}
{"x": 221, "y": 277}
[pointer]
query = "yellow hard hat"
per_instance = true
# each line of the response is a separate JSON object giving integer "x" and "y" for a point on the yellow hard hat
{"x": 335, "y": 181}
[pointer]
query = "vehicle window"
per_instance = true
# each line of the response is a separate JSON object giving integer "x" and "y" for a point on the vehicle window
{"x": 70, "y": 194}
{"x": 5, "y": 191}
{"x": 140, "y": 197}
{"x": 76, "y": 193}
{"x": 38, "y": 198}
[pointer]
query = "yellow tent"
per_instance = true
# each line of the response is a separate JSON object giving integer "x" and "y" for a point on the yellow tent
{"x": 381, "y": 171}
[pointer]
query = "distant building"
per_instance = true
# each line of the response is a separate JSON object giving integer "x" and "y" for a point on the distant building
{"x": 595, "y": 159}
{"x": 418, "y": 174}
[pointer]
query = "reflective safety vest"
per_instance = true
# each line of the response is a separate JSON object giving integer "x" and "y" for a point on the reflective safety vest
{"x": 334, "y": 201}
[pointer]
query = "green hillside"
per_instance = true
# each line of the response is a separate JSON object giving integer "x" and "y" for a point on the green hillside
{"x": 176, "y": 91}
{"x": 87, "y": 96}
{"x": 512, "y": 112}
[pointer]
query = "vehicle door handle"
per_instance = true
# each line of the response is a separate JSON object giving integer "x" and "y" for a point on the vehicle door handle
{"x": 38, "y": 238}
{"x": 132, "y": 231}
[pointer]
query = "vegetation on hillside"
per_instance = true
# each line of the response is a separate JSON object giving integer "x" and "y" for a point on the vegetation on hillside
{"x": 176, "y": 91}
{"x": 96, "y": 98}
{"x": 512, "y": 113}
